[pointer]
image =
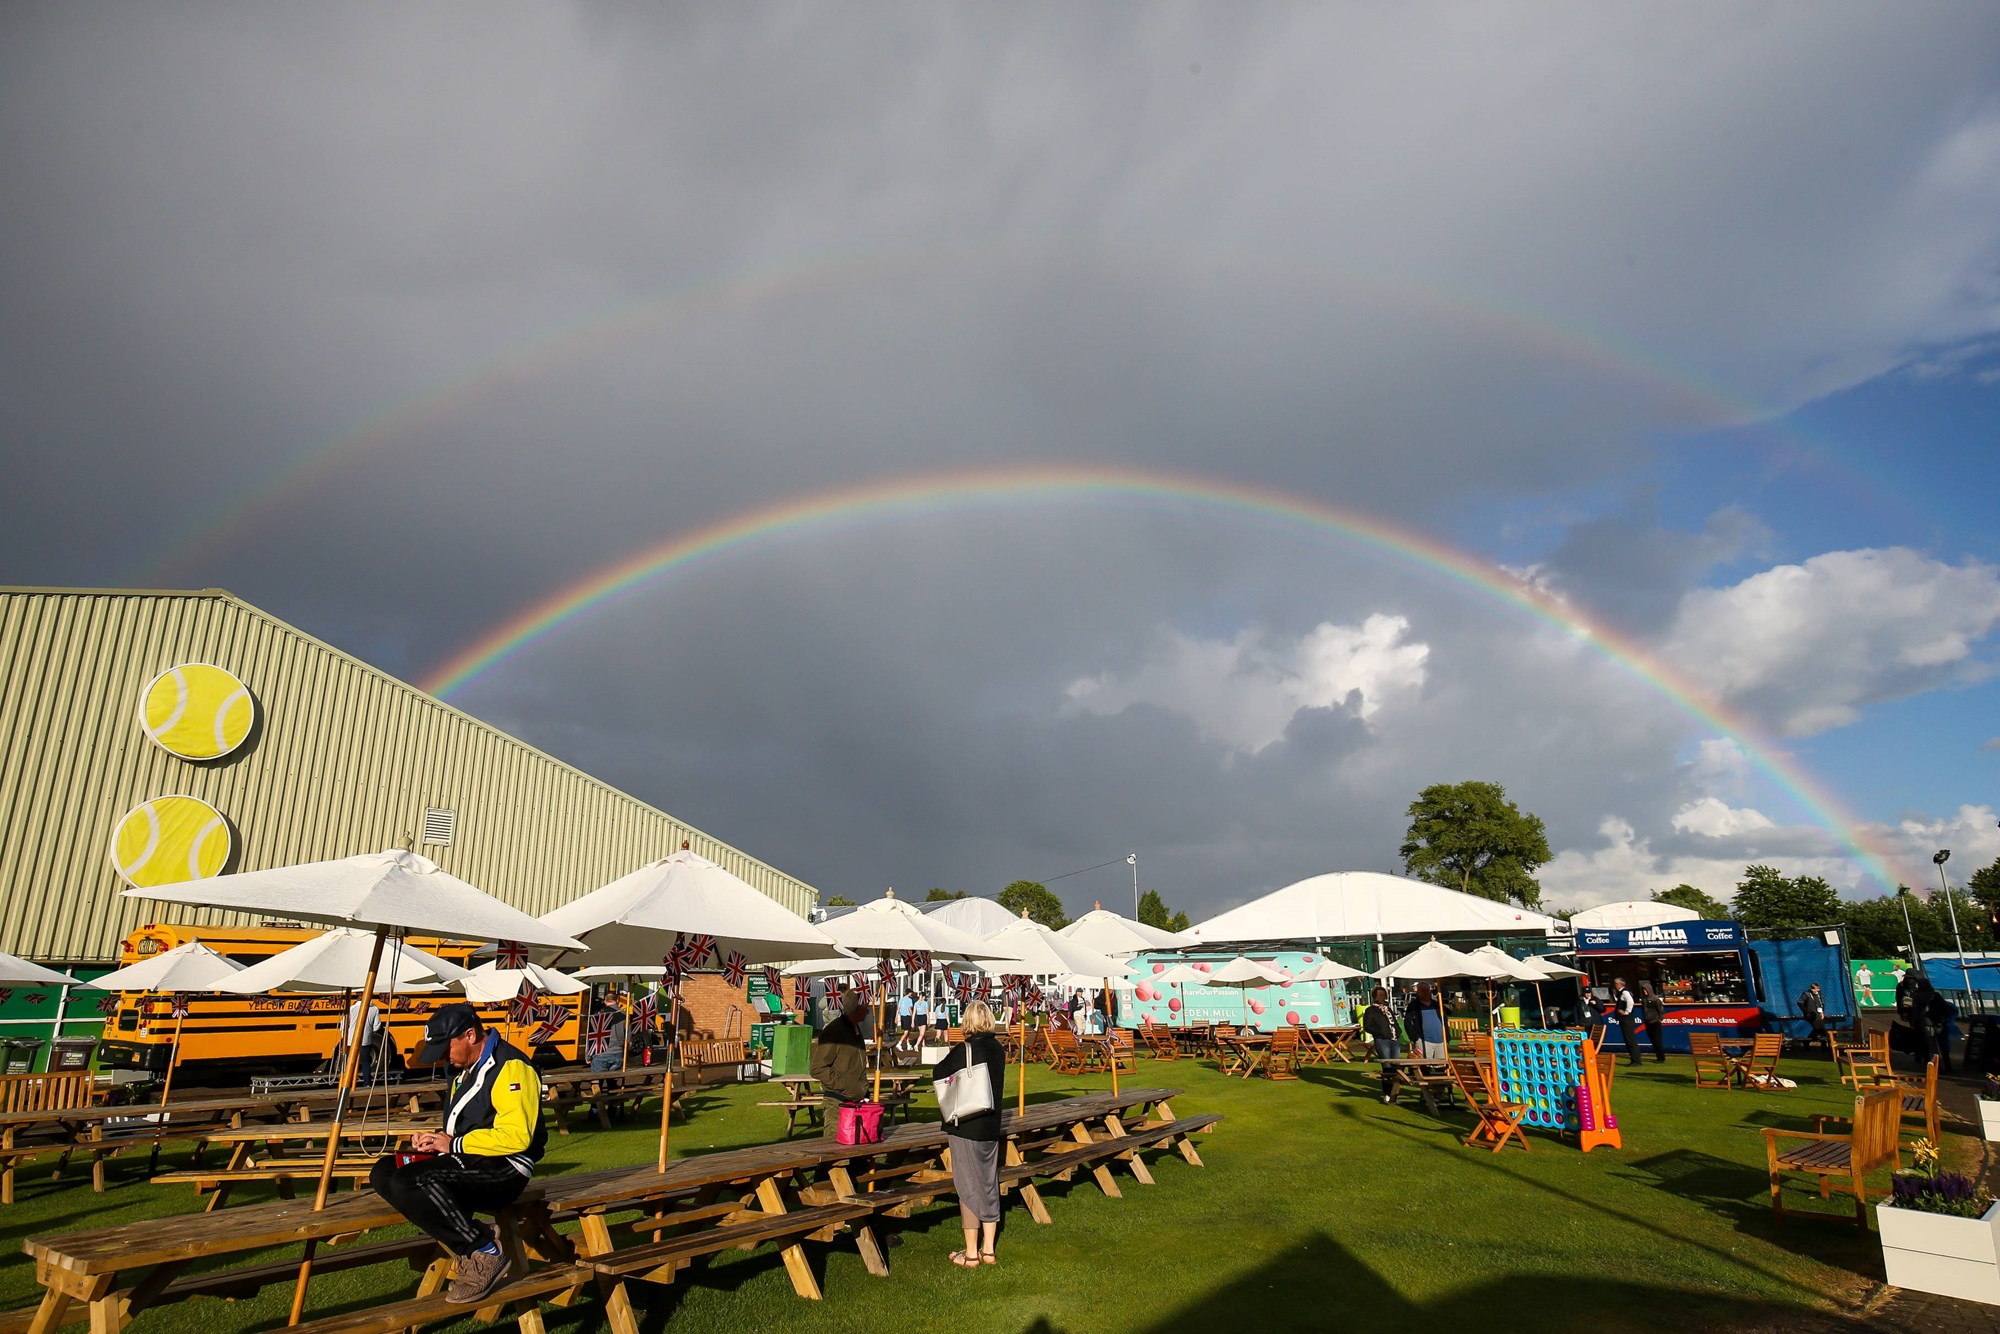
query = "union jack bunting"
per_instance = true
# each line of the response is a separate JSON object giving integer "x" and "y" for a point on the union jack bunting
{"x": 916, "y": 961}
{"x": 511, "y": 954}
{"x": 670, "y": 963}
{"x": 670, "y": 986}
{"x": 735, "y": 969}
{"x": 888, "y": 972}
{"x": 645, "y": 1012}
{"x": 36, "y": 997}
{"x": 861, "y": 987}
{"x": 693, "y": 949}
{"x": 109, "y": 1005}
{"x": 303, "y": 1005}
{"x": 597, "y": 1034}
{"x": 554, "y": 1018}
{"x": 774, "y": 981}
{"x": 180, "y": 1005}
{"x": 6, "y": 994}
{"x": 524, "y": 1010}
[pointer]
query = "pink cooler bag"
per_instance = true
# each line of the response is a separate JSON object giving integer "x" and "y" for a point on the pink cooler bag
{"x": 860, "y": 1123}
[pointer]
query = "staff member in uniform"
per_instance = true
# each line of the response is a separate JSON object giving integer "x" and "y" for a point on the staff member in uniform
{"x": 1623, "y": 1007}
{"x": 492, "y": 1138}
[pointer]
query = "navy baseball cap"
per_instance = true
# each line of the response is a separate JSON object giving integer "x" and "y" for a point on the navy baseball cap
{"x": 445, "y": 1024}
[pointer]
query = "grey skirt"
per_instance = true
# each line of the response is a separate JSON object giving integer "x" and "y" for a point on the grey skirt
{"x": 975, "y": 1175}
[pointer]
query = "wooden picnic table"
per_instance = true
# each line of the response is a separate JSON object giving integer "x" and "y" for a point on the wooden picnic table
{"x": 787, "y": 1193}
{"x": 1427, "y": 1075}
{"x": 1242, "y": 1054}
{"x": 608, "y": 1093}
{"x": 1335, "y": 1042}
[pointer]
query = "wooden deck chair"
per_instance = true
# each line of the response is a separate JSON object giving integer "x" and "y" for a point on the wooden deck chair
{"x": 1458, "y": 1033}
{"x": 1920, "y": 1099}
{"x": 1607, "y": 1068}
{"x": 1761, "y": 1064}
{"x": 1499, "y": 1120}
{"x": 1871, "y": 1141}
{"x": 1482, "y": 1047}
{"x": 1160, "y": 1043}
{"x": 1713, "y": 1067}
{"x": 1867, "y": 1065}
{"x": 1281, "y": 1059}
{"x": 1120, "y": 1052}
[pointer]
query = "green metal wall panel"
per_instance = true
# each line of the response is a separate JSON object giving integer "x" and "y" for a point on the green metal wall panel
{"x": 343, "y": 759}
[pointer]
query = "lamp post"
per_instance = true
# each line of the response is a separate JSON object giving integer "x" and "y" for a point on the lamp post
{"x": 1938, "y": 860}
{"x": 1132, "y": 860}
{"x": 1903, "y": 902}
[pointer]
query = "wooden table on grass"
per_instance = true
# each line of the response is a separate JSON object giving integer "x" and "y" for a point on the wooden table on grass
{"x": 1336, "y": 1043}
{"x": 1427, "y": 1075}
{"x": 785, "y": 1193}
{"x": 1242, "y": 1054}
{"x": 102, "y": 1131}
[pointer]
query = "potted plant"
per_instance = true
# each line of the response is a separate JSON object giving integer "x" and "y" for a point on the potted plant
{"x": 1989, "y": 1109}
{"x": 1939, "y": 1234}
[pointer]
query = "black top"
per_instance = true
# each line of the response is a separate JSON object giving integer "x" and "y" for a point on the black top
{"x": 987, "y": 1051}
{"x": 1377, "y": 1024}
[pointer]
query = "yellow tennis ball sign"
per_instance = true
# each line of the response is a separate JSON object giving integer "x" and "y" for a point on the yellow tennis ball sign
{"x": 170, "y": 839}
{"x": 197, "y": 712}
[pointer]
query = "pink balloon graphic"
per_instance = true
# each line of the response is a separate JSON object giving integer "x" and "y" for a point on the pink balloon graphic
{"x": 1159, "y": 968}
{"x": 1146, "y": 993}
{"x": 1315, "y": 1020}
{"x": 1291, "y": 1016}
{"x": 1256, "y": 1007}
{"x": 1203, "y": 968}
{"x": 1174, "y": 1005}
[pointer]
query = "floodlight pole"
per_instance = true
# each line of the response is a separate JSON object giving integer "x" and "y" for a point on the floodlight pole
{"x": 1965, "y": 978}
{"x": 1132, "y": 860}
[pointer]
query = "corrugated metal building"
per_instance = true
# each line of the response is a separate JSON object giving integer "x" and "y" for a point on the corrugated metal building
{"x": 339, "y": 758}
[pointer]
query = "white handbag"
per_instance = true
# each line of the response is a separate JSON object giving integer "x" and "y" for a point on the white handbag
{"x": 965, "y": 1092}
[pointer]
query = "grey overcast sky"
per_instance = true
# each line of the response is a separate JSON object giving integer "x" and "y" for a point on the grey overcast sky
{"x": 397, "y": 320}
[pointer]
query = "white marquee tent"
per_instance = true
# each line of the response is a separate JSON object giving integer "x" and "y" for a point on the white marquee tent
{"x": 1631, "y": 913}
{"x": 1363, "y": 905}
{"x": 974, "y": 916}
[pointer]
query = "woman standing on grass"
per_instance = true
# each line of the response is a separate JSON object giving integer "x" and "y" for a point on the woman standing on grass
{"x": 975, "y": 1140}
{"x": 1380, "y": 1026}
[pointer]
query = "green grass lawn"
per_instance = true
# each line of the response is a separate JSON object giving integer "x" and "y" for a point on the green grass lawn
{"x": 1318, "y": 1207}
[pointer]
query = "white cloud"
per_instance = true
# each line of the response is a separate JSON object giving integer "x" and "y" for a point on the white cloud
{"x": 1716, "y": 818}
{"x": 1627, "y": 866}
{"x": 1806, "y": 647}
{"x": 1972, "y": 834}
{"x": 1245, "y": 692}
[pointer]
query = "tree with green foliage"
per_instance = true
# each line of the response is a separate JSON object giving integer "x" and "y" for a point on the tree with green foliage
{"x": 838, "y": 901}
{"x": 1766, "y": 899}
{"x": 943, "y": 895}
{"x": 1179, "y": 922}
{"x": 1875, "y": 926}
{"x": 1037, "y": 901}
{"x": 1468, "y": 836}
{"x": 1694, "y": 900}
{"x": 1985, "y": 884}
{"x": 1153, "y": 912}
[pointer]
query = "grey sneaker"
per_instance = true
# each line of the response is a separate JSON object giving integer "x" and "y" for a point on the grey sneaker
{"x": 478, "y": 1274}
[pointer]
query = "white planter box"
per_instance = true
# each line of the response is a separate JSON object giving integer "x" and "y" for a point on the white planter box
{"x": 1989, "y": 1118}
{"x": 1952, "y": 1257}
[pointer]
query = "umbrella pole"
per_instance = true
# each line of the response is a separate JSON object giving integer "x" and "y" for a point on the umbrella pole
{"x": 173, "y": 1061}
{"x": 1021, "y": 1108}
{"x": 667, "y": 1088}
{"x": 878, "y": 1047}
{"x": 347, "y": 1070}
{"x": 1110, "y": 1047}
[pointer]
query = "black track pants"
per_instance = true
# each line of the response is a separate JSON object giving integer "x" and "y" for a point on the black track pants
{"x": 441, "y": 1194}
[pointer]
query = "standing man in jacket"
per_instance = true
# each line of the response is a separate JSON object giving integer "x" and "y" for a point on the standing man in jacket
{"x": 840, "y": 1059}
{"x": 492, "y": 1138}
{"x": 1424, "y": 1022}
{"x": 1625, "y": 1010}
{"x": 1655, "y": 1011}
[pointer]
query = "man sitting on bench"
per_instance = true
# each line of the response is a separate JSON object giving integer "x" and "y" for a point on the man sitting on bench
{"x": 493, "y": 1136}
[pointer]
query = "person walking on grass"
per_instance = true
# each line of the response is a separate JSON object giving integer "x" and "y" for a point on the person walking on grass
{"x": 1423, "y": 1021}
{"x": 493, "y": 1136}
{"x": 1812, "y": 1005}
{"x": 974, "y": 1140}
{"x": 1655, "y": 1011}
{"x": 1380, "y": 1027}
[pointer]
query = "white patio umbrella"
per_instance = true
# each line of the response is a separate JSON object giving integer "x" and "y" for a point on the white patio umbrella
{"x": 491, "y": 984}
{"x": 391, "y": 891}
{"x": 1041, "y": 950}
{"x": 15, "y": 971}
{"x": 1547, "y": 970}
{"x": 1108, "y": 933}
{"x": 184, "y": 968}
{"x": 1244, "y": 973}
{"x": 1431, "y": 962}
{"x": 673, "y": 902}
{"x": 1507, "y": 968}
{"x": 1327, "y": 970}
{"x": 887, "y": 928}
{"x": 340, "y": 960}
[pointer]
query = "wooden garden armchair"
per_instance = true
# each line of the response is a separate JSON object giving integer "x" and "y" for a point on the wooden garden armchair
{"x": 1160, "y": 1042}
{"x": 1714, "y": 1068}
{"x": 1867, "y": 1065}
{"x": 1499, "y": 1120}
{"x": 1920, "y": 1097}
{"x": 1459, "y": 1033}
{"x": 1871, "y": 1141}
{"x": 1761, "y": 1063}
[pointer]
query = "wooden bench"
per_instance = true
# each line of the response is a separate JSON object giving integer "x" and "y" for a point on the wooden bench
{"x": 45, "y": 1092}
{"x": 1872, "y": 1141}
{"x": 1920, "y": 1098}
{"x": 217, "y": 1182}
{"x": 700, "y": 1055}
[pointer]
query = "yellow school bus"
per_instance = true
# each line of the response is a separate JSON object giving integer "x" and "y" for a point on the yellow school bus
{"x": 226, "y": 1038}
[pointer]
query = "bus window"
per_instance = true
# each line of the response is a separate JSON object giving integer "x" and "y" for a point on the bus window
{"x": 127, "y": 1020}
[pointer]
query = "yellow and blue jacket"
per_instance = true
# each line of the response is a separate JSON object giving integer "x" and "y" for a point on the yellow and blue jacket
{"x": 494, "y": 1109}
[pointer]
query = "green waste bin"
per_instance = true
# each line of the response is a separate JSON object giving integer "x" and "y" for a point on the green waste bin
{"x": 791, "y": 1049}
{"x": 21, "y": 1053}
{"x": 1510, "y": 1016}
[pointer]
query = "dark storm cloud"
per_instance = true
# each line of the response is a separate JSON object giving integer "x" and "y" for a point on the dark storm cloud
{"x": 1396, "y": 260}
